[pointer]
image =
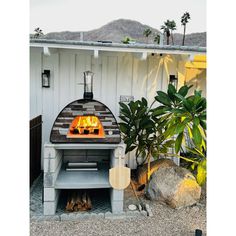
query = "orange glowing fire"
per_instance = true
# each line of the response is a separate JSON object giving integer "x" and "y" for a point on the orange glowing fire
{"x": 86, "y": 127}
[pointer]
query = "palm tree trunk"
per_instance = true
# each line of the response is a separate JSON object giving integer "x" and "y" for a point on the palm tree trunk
{"x": 184, "y": 35}
{"x": 172, "y": 38}
{"x": 168, "y": 40}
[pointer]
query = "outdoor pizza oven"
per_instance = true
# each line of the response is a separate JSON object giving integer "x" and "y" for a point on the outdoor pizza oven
{"x": 85, "y": 143}
{"x": 85, "y": 121}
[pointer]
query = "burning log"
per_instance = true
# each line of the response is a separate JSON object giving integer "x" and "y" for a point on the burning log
{"x": 78, "y": 201}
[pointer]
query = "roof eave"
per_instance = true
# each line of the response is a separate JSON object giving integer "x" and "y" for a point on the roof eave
{"x": 117, "y": 47}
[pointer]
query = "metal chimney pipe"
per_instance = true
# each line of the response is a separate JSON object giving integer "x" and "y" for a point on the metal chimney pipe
{"x": 88, "y": 85}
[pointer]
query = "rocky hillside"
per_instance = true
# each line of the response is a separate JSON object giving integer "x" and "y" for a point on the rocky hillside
{"x": 115, "y": 31}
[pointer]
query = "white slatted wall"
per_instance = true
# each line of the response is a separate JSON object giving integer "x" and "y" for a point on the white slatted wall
{"x": 115, "y": 74}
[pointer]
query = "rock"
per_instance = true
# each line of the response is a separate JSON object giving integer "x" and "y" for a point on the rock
{"x": 132, "y": 207}
{"x": 176, "y": 186}
{"x": 155, "y": 165}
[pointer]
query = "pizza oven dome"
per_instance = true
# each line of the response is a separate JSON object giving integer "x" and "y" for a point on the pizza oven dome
{"x": 85, "y": 121}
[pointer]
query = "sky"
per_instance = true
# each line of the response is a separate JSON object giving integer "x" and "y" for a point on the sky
{"x": 84, "y": 15}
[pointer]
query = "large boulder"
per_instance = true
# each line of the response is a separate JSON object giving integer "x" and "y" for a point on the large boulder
{"x": 155, "y": 165}
{"x": 175, "y": 186}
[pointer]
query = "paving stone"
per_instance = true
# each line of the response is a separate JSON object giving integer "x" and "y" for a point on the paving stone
{"x": 116, "y": 216}
{"x": 108, "y": 214}
{"x": 102, "y": 215}
{"x": 84, "y": 215}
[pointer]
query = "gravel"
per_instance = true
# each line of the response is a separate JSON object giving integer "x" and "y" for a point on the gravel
{"x": 164, "y": 222}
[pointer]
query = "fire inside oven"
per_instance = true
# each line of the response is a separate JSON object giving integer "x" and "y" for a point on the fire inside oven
{"x": 86, "y": 127}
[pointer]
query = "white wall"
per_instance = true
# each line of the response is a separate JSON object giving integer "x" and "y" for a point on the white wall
{"x": 115, "y": 74}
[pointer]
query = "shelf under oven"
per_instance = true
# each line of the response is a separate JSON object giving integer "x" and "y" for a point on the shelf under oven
{"x": 83, "y": 179}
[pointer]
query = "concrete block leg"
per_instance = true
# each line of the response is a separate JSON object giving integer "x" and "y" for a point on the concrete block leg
{"x": 50, "y": 207}
{"x": 52, "y": 166}
{"x": 117, "y": 200}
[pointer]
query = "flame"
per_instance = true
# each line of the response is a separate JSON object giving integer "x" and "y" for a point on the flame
{"x": 88, "y": 123}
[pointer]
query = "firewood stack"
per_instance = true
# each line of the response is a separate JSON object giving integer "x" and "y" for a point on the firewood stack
{"x": 78, "y": 201}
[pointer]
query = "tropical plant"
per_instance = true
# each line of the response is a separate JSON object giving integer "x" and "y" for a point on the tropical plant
{"x": 142, "y": 131}
{"x": 184, "y": 20}
{"x": 184, "y": 114}
{"x": 166, "y": 31}
{"x": 127, "y": 40}
{"x": 172, "y": 27}
{"x": 147, "y": 32}
{"x": 152, "y": 131}
{"x": 38, "y": 33}
{"x": 199, "y": 164}
{"x": 186, "y": 119}
{"x": 157, "y": 38}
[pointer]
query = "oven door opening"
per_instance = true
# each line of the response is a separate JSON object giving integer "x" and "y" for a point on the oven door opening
{"x": 86, "y": 127}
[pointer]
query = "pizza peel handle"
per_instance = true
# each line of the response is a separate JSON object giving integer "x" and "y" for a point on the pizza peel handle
{"x": 119, "y": 177}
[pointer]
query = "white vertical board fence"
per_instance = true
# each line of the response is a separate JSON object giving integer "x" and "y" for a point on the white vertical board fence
{"x": 35, "y": 83}
{"x": 116, "y": 74}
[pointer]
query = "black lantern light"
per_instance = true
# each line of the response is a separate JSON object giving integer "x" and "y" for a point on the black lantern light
{"x": 88, "y": 85}
{"x": 173, "y": 80}
{"x": 46, "y": 79}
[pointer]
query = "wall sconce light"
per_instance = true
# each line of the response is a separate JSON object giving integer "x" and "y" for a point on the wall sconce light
{"x": 173, "y": 80}
{"x": 46, "y": 79}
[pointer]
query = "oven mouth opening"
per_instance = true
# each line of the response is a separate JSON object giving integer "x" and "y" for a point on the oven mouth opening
{"x": 88, "y": 126}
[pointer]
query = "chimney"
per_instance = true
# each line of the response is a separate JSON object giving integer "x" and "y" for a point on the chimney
{"x": 88, "y": 85}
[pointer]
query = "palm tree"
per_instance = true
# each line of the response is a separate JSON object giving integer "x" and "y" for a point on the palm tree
{"x": 184, "y": 20}
{"x": 147, "y": 32}
{"x": 38, "y": 32}
{"x": 172, "y": 27}
{"x": 157, "y": 38}
{"x": 166, "y": 31}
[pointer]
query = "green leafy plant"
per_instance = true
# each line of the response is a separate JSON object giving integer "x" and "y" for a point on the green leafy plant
{"x": 38, "y": 33}
{"x": 166, "y": 31}
{"x": 128, "y": 40}
{"x": 199, "y": 164}
{"x": 147, "y": 32}
{"x": 185, "y": 115}
{"x": 142, "y": 130}
{"x": 152, "y": 131}
{"x": 157, "y": 39}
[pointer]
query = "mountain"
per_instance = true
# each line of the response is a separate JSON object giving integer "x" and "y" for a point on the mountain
{"x": 117, "y": 30}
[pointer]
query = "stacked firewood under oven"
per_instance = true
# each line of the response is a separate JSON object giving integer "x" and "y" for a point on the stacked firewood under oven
{"x": 78, "y": 200}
